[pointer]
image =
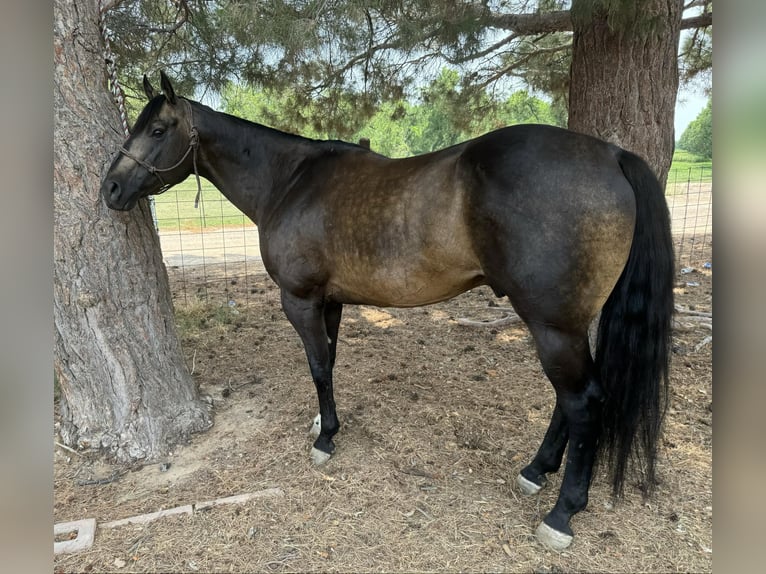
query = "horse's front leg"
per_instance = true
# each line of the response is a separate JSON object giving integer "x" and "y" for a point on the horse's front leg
{"x": 308, "y": 316}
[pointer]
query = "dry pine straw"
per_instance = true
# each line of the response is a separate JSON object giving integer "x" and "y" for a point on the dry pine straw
{"x": 437, "y": 421}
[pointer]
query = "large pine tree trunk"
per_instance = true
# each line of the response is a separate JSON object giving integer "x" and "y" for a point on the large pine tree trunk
{"x": 125, "y": 388}
{"x": 624, "y": 80}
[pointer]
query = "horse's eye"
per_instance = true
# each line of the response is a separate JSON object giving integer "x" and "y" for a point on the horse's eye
{"x": 158, "y": 132}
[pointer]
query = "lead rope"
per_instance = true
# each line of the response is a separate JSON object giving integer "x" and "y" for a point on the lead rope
{"x": 111, "y": 66}
{"x": 114, "y": 84}
{"x": 119, "y": 98}
{"x": 196, "y": 174}
{"x": 194, "y": 141}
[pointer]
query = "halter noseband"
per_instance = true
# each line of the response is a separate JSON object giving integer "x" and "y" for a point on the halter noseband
{"x": 156, "y": 171}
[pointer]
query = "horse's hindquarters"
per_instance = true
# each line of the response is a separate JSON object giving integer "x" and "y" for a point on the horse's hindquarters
{"x": 552, "y": 231}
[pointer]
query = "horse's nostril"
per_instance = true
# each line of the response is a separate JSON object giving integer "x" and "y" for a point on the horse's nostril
{"x": 113, "y": 188}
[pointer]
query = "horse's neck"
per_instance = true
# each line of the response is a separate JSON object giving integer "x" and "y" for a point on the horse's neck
{"x": 248, "y": 163}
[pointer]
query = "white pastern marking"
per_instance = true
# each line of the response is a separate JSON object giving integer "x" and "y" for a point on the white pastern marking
{"x": 316, "y": 426}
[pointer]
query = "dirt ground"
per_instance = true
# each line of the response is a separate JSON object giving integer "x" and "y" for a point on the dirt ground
{"x": 437, "y": 419}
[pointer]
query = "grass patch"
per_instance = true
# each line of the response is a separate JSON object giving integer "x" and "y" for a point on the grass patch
{"x": 193, "y": 319}
{"x": 687, "y": 167}
{"x": 175, "y": 209}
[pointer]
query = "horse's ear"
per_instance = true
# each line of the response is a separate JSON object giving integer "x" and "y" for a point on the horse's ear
{"x": 167, "y": 88}
{"x": 148, "y": 89}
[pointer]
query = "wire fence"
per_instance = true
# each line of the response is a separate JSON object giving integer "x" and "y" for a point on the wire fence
{"x": 212, "y": 253}
{"x": 689, "y": 194}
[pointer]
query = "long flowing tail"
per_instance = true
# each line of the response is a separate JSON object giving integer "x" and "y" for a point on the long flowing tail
{"x": 633, "y": 346}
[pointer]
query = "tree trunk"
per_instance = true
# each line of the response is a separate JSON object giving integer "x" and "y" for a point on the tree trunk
{"x": 125, "y": 388}
{"x": 624, "y": 80}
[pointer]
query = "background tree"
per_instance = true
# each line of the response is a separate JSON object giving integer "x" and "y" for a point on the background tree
{"x": 613, "y": 63}
{"x": 698, "y": 136}
{"x": 124, "y": 386}
{"x": 432, "y": 123}
{"x": 333, "y": 64}
{"x": 624, "y": 80}
{"x": 402, "y": 128}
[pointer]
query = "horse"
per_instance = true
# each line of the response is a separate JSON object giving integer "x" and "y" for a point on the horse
{"x": 566, "y": 226}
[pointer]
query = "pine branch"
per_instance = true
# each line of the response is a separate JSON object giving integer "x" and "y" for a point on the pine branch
{"x": 529, "y": 24}
{"x": 561, "y": 21}
{"x": 701, "y": 21}
{"x": 518, "y": 63}
{"x": 182, "y": 16}
{"x": 481, "y": 54}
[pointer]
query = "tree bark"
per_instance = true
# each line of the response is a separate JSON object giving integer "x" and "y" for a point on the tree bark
{"x": 624, "y": 81}
{"x": 125, "y": 388}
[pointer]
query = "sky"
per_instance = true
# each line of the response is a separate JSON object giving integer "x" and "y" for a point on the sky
{"x": 689, "y": 103}
{"x": 688, "y": 107}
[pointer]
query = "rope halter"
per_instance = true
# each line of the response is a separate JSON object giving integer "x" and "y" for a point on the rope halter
{"x": 157, "y": 171}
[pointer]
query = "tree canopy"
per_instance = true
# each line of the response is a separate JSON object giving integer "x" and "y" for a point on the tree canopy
{"x": 698, "y": 136}
{"x": 401, "y": 128}
{"x": 348, "y": 57}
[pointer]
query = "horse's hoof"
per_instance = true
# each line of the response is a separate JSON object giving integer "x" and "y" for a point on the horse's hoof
{"x": 527, "y": 486}
{"x": 553, "y": 539}
{"x": 319, "y": 457}
{"x": 316, "y": 426}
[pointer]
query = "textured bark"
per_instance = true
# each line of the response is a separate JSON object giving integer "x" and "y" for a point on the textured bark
{"x": 624, "y": 82}
{"x": 124, "y": 384}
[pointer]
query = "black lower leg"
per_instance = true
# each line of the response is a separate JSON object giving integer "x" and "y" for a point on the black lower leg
{"x": 330, "y": 424}
{"x": 311, "y": 319}
{"x": 551, "y": 451}
{"x": 582, "y": 411}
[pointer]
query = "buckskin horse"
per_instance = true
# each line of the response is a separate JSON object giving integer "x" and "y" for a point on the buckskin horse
{"x": 563, "y": 224}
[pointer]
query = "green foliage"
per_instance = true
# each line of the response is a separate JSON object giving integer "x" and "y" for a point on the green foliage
{"x": 695, "y": 64}
{"x": 388, "y": 129}
{"x": 698, "y": 136}
{"x": 432, "y": 124}
{"x": 346, "y": 58}
{"x": 438, "y": 118}
{"x": 283, "y": 110}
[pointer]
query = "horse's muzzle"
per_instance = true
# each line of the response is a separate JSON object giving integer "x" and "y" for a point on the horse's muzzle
{"x": 112, "y": 194}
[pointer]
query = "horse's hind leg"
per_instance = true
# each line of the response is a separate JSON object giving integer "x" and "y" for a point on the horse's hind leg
{"x": 567, "y": 362}
{"x": 532, "y": 478}
{"x": 317, "y": 324}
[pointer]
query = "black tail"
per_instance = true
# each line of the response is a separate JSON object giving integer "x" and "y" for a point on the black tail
{"x": 633, "y": 346}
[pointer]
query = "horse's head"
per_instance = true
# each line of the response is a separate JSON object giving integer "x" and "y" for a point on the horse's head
{"x": 159, "y": 152}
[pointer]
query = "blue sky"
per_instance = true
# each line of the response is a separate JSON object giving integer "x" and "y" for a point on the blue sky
{"x": 689, "y": 103}
{"x": 688, "y": 107}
